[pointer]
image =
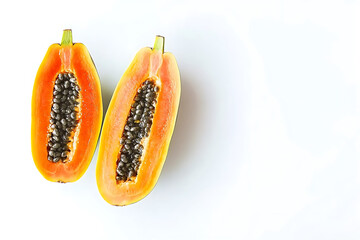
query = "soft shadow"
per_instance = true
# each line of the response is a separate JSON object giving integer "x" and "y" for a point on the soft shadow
{"x": 107, "y": 91}
{"x": 187, "y": 123}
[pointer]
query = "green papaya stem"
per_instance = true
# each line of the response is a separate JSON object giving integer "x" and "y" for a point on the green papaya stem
{"x": 67, "y": 38}
{"x": 159, "y": 43}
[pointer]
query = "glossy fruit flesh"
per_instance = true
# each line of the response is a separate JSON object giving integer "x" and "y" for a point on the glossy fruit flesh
{"x": 161, "y": 70}
{"x": 64, "y": 130}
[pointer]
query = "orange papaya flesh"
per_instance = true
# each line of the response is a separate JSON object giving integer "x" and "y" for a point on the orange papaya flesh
{"x": 155, "y": 73}
{"x": 66, "y": 111}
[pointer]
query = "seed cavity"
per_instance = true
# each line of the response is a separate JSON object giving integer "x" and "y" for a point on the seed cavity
{"x": 136, "y": 129}
{"x": 63, "y": 117}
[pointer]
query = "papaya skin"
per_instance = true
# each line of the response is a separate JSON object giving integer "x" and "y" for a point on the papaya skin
{"x": 75, "y": 58}
{"x": 163, "y": 68}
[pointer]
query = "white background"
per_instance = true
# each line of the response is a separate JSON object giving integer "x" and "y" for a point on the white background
{"x": 267, "y": 140}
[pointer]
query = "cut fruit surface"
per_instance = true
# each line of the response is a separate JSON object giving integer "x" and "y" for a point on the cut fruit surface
{"x": 138, "y": 126}
{"x": 66, "y": 111}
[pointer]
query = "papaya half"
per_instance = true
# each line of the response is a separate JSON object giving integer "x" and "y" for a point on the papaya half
{"x": 66, "y": 111}
{"x": 138, "y": 126}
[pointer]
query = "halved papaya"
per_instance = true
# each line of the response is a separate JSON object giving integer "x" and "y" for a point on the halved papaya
{"x": 66, "y": 111}
{"x": 138, "y": 126}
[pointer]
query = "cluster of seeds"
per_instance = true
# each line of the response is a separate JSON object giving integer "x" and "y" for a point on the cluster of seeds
{"x": 137, "y": 127}
{"x": 63, "y": 116}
